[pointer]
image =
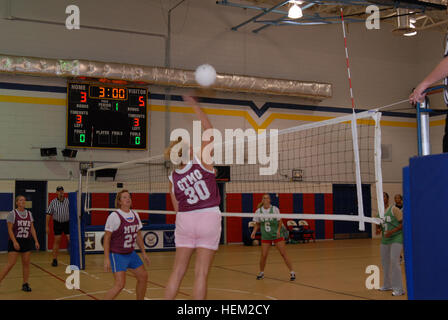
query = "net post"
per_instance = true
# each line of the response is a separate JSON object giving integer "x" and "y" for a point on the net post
{"x": 78, "y": 215}
{"x": 357, "y": 173}
{"x": 225, "y": 210}
{"x": 424, "y": 147}
{"x": 378, "y": 171}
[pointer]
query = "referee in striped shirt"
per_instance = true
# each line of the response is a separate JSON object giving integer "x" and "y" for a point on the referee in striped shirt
{"x": 59, "y": 209}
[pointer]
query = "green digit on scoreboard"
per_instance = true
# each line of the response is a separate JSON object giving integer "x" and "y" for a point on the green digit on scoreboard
{"x": 137, "y": 140}
{"x": 82, "y": 138}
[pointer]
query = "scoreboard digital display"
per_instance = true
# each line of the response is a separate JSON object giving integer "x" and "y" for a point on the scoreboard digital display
{"x": 106, "y": 116}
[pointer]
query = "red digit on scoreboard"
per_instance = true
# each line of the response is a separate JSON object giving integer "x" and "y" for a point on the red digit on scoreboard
{"x": 83, "y": 96}
{"x": 78, "y": 118}
{"x": 142, "y": 101}
{"x": 136, "y": 122}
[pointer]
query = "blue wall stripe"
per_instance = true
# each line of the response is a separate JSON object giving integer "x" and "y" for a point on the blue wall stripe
{"x": 297, "y": 204}
{"x": 319, "y": 208}
{"x": 246, "y": 206}
{"x": 3, "y": 235}
{"x": 274, "y": 200}
{"x": 247, "y": 199}
{"x": 157, "y": 201}
{"x": 32, "y": 87}
{"x": 112, "y": 197}
{"x": 6, "y": 201}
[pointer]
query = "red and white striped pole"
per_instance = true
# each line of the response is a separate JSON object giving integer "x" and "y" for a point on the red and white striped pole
{"x": 355, "y": 139}
{"x": 348, "y": 64}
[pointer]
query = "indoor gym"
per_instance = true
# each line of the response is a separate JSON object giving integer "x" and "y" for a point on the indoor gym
{"x": 273, "y": 72}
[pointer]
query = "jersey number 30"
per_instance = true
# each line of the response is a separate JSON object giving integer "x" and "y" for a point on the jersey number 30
{"x": 199, "y": 189}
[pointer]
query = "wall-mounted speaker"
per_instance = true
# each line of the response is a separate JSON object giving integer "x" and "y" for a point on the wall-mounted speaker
{"x": 105, "y": 173}
{"x": 222, "y": 173}
{"x": 69, "y": 153}
{"x": 48, "y": 152}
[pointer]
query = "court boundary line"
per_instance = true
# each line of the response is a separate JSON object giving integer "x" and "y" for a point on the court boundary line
{"x": 299, "y": 284}
{"x": 60, "y": 279}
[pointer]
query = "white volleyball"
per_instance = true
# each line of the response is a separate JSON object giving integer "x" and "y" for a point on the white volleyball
{"x": 205, "y": 75}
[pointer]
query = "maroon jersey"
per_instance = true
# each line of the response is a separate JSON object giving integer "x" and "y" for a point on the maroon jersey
{"x": 22, "y": 226}
{"x": 195, "y": 187}
{"x": 123, "y": 239}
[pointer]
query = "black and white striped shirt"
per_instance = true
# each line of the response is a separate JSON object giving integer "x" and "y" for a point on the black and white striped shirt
{"x": 59, "y": 210}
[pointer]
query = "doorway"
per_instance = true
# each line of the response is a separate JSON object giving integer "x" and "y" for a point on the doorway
{"x": 35, "y": 193}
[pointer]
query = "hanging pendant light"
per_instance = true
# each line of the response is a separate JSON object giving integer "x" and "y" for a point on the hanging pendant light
{"x": 295, "y": 12}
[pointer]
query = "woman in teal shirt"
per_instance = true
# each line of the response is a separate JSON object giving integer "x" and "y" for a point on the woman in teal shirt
{"x": 391, "y": 247}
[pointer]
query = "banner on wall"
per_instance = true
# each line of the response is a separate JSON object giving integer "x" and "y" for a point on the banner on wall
{"x": 153, "y": 240}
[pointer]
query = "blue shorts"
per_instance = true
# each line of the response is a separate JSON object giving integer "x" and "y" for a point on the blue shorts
{"x": 122, "y": 262}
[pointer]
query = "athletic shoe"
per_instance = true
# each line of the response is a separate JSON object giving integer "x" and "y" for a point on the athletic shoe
{"x": 54, "y": 263}
{"x": 260, "y": 276}
{"x": 292, "y": 276}
{"x": 398, "y": 293}
{"x": 385, "y": 289}
{"x": 26, "y": 287}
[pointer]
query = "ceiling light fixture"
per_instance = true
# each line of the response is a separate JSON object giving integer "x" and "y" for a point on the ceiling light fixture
{"x": 295, "y": 12}
{"x": 411, "y": 25}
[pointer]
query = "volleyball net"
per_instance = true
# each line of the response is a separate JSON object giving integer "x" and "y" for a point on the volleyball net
{"x": 309, "y": 158}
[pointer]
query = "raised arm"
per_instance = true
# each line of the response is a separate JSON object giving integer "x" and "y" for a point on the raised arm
{"x": 439, "y": 72}
{"x": 192, "y": 102}
{"x": 206, "y": 124}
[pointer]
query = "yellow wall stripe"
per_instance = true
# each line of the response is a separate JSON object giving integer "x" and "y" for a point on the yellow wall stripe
{"x": 33, "y": 100}
{"x": 222, "y": 112}
{"x": 434, "y": 123}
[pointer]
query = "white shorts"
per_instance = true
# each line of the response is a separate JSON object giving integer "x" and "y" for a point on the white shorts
{"x": 198, "y": 229}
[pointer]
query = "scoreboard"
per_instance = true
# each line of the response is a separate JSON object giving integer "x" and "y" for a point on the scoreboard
{"x": 106, "y": 116}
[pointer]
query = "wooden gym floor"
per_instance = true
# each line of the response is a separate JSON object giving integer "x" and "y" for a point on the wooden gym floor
{"x": 325, "y": 270}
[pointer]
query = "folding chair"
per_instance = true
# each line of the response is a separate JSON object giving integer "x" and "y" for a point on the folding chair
{"x": 307, "y": 232}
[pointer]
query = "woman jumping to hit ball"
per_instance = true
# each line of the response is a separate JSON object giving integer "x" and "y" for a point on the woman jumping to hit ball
{"x": 20, "y": 230}
{"x": 122, "y": 232}
{"x": 270, "y": 233}
{"x": 195, "y": 197}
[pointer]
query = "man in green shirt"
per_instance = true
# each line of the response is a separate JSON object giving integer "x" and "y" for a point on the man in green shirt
{"x": 391, "y": 247}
